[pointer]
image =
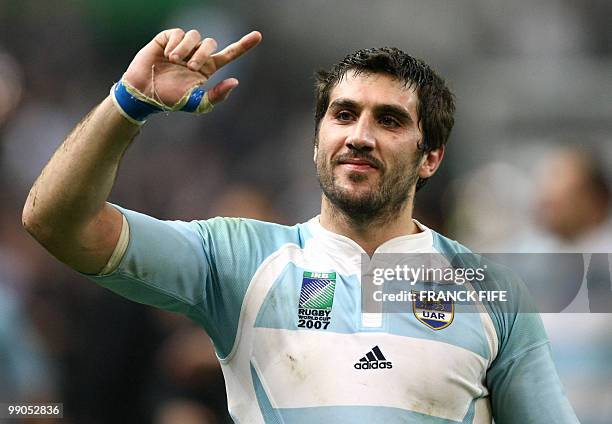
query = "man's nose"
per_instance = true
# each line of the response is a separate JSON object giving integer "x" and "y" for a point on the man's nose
{"x": 361, "y": 135}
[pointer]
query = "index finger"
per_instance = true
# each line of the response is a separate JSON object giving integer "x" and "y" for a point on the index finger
{"x": 237, "y": 49}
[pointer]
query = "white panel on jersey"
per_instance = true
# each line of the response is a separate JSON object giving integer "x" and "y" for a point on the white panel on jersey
{"x": 489, "y": 328}
{"x": 482, "y": 411}
{"x": 241, "y": 397}
{"x": 426, "y": 376}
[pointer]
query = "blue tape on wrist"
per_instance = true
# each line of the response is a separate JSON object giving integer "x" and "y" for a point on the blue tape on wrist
{"x": 133, "y": 107}
{"x": 194, "y": 100}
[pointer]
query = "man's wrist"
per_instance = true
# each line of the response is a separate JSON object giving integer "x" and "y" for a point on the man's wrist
{"x": 129, "y": 105}
{"x": 136, "y": 107}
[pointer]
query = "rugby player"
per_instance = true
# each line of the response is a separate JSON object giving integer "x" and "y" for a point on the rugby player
{"x": 282, "y": 304}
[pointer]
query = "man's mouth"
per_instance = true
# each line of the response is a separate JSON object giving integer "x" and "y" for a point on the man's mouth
{"x": 360, "y": 165}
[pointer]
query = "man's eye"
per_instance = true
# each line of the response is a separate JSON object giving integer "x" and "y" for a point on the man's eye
{"x": 389, "y": 121}
{"x": 343, "y": 116}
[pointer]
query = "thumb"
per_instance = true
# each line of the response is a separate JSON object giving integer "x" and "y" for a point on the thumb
{"x": 222, "y": 90}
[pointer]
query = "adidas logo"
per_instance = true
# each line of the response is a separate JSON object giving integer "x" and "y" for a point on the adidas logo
{"x": 373, "y": 360}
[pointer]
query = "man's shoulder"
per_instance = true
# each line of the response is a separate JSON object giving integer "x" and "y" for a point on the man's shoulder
{"x": 448, "y": 246}
{"x": 238, "y": 224}
{"x": 460, "y": 255}
{"x": 236, "y": 228}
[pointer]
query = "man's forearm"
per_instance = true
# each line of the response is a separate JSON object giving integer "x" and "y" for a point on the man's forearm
{"x": 69, "y": 195}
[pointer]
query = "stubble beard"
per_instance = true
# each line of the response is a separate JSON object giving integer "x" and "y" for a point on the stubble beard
{"x": 378, "y": 205}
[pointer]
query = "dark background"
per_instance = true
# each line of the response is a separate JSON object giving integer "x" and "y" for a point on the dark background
{"x": 531, "y": 78}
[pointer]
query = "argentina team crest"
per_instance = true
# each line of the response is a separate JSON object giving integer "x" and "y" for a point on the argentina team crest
{"x": 316, "y": 300}
{"x": 435, "y": 314}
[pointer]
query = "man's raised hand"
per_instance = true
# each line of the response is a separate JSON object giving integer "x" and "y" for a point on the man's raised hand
{"x": 175, "y": 61}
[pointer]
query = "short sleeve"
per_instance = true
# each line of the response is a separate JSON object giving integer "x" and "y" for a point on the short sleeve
{"x": 165, "y": 265}
{"x": 201, "y": 269}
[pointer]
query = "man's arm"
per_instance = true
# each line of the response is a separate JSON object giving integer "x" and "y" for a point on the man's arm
{"x": 66, "y": 210}
{"x": 526, "y": 389}
{"x": 522, "y": 379}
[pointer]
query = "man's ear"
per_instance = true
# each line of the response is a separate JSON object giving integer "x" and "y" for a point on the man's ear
{"x": 431, "y": 162}
{"x": 314, "y": 156}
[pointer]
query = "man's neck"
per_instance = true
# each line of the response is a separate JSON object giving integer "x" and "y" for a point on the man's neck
{"x": 371, "y": 234}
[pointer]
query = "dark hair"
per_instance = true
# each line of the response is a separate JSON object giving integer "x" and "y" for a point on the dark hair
{"x": 594, "y": 169}
{"x": 436, "y": 105}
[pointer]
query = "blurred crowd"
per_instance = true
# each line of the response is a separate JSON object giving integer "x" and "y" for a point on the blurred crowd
{"x": 527, "y": 170}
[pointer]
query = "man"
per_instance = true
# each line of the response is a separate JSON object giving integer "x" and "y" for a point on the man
{"x": 573, "y": 210}
{"x": 567, "y": 177}
{"x": 282, "y": 304}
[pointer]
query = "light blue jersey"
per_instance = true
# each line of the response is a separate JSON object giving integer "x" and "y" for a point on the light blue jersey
{"x": 283, "y": 308}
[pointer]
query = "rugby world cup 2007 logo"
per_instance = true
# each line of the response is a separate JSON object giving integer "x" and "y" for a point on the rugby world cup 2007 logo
{"x": 316, "y": 300}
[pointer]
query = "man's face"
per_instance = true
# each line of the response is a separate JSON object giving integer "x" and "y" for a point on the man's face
{"x": 566, "y": 200}
{"x": 367, "y": 158}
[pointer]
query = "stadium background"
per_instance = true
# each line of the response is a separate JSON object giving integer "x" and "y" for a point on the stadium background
{"x": 530, "y": 77}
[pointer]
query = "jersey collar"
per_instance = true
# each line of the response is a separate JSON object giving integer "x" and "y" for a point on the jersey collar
{"x": 419, "y": 242}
